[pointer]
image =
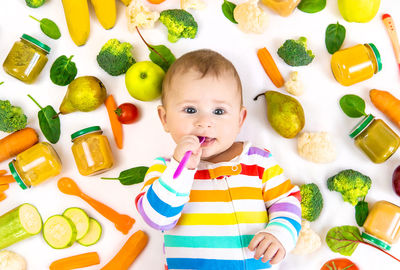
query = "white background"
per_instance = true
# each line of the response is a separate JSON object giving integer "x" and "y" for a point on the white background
{"x": 146, "y": 140}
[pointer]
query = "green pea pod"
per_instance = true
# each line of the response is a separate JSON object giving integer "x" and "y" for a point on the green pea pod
{"x": 131, "y": 176}
{"x": 49, "y": 122}
{"x": 48, "y": 27}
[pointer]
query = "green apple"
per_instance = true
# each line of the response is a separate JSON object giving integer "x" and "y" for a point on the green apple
{"x": 144, "y": 80}
{"x": 360, "y": 11}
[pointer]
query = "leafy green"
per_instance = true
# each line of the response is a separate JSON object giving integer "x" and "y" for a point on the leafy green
{"x": 361, "y": 212}
{"x": 49, "y": 124}
{"x": 63, "y": 71}
{"x": 49, "y": 28}
{"x": 343, "y": 239}
{"x": 312, "y": 6}
{"x": 334, "y": 37}
{"x": 227, "y": 9}
{"x": 1, "y": 83}
{"x": 131, "y": 176}
{"x": 353, "y": 106}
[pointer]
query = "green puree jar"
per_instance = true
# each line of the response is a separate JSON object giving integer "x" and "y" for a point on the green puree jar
{"x": 26, "y": 59}
{"x": 375, "y": 138}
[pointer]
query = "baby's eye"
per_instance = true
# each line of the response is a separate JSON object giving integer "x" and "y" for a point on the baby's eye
{"x": 190, "y": 110}
{"x": 219, "y": 111}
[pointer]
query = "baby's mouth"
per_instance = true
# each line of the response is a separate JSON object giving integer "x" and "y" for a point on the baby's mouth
{"x": 207, "y": 141}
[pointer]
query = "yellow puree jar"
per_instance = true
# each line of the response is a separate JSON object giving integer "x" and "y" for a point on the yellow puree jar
{"x": 356, "y": 64}
{"x": 35, "y": 165}
{"x": 91, "y": 151}
{"x": 382, "y": 226}
{"x": 26, "y": 59}
{"x": 282, "y": 7}
{"x": 375, "y": 138}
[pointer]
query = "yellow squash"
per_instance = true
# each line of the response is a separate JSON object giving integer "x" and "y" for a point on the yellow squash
{"x": 106, "y": 12}
{"x": 77, "y": 16}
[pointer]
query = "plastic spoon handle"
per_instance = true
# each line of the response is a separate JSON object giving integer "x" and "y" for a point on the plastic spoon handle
{"x": 184, "y": 160}
{"x": 389, "y": 24}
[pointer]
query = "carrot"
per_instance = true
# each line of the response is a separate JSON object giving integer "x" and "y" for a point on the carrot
{"x": 6, "y": 179}
{"x": 129, "y": 251}
{"x": 270, "y": 67}
{"x": 116, "y": 126}
{"x": 3, "y": 196}
{"x": 386, "y": 103}
{"x": 155, "y": 1}
{"x": 77, "y": 261}
{"x": 4, "y": 187}
{"x": 3, "y": 172}
{"x": 17, "y": 142}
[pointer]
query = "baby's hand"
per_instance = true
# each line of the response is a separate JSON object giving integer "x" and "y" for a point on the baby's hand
{"x": 188, "y": 143}
{"x": 266, "y": 245}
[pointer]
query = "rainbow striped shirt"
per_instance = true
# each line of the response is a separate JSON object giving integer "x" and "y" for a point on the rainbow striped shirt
{"x": 208, "y": 216}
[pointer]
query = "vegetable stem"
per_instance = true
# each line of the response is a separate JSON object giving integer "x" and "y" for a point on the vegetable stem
{"x": 35, "y": 101}
{"x": 150, "y": 47}
{"x": 106, "y": 178}
{"x": 34, "y": 18}
{"x": 258, "y": 96}
{"x": 387, "y": 253}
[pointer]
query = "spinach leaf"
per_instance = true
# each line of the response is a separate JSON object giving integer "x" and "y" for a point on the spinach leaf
{"x": 334, "y": 37}
{"x": 227, "y": 9}
{"x": 48, "y": 27}
{"x": 63, "y": 71}
{"x": 343, "y": 239}
{"x": 353, "y": 106}
{"x": 1, "y": 83}
{"x": 131, "y": 176}
{"x": 49, "y": 124}
{"x": 312, "y": 6}
{"x": 361, "y": 212}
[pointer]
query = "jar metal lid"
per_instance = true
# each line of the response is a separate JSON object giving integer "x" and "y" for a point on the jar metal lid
{"x": 36, "y": 42}
{"x": 377, "y": 56}
{"x": 85, "y": 131}
{"x": 16, "y": 175}
{"x": 363, "y": 124}
{"x": 375, "y": 241}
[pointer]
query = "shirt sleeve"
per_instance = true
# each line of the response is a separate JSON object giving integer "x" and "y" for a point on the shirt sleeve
{"x": 162, "y": 198}
{"x": 282, "y": 200}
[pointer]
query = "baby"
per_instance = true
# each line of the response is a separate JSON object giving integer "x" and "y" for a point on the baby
{"x": 231, "y": 205}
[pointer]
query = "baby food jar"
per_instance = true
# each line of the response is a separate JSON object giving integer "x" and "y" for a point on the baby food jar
{"x": 382, "y": 226}
{"x": 375, "y": 138}
{"x": 282, "y": 7}
{"x": 356, "y": 64}
{"x": 26, "y": 59}
{"x": 91, "y": 151}
{"x": 35, "y": 165}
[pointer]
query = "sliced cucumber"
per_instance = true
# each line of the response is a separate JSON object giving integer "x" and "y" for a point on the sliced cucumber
{"x": 18, "y": 224}
{"x": 93, "y": 235}
{"x": 59, "y": 232}
{"x": 80, "y": 220}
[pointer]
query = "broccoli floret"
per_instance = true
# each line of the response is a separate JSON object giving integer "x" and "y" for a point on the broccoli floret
{"x": 34, "y": 3}
{"x": 295, "y": 53}
{"x": 180, "y": 24}
{"x": 12, "y": 118}
{"x": 115, "y": 57}
{"x": 311, "y": 201}
{"x": 352, "y": 184}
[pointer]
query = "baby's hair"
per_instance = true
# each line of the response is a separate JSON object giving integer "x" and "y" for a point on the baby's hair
{"x": 204, "y": 61}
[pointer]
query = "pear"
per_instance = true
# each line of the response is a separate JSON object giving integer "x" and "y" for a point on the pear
{"x": 285, "y": 113}
{"x": 84, "y": 94}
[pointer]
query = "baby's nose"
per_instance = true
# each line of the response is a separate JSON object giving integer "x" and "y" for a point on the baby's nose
{"x": 204, "y": 122}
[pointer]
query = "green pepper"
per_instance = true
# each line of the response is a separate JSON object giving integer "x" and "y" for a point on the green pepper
{"x": 361, "y": 11}
{"x": 131, "y": 176}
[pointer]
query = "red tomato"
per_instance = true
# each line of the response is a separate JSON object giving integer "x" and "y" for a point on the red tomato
{"x": 339, "y": 264}
{"x": 127, "y": 113}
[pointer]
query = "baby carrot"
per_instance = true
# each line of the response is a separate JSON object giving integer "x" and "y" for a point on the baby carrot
{"x": 6, "y": 179}
{"x": 4, "y": 187}
{"x": 386, "y": 103}
{"x": 77, "y": 261}
{"x": 116, "y": 126}
{"x": 2, "y": 172}
{"x": 17, "y": 142}
{"x": 270, "y": 67}
{"x": 3, "y": 196}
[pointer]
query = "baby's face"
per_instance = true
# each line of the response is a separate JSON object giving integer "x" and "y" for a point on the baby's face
{"x": 209, "y": 107}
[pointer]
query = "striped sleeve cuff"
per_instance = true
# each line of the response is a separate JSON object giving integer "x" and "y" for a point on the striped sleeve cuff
{"x": 283, "y": 232}
{"x": 182, "y": 184}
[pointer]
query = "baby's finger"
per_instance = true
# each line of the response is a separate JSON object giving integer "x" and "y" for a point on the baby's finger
{"x": 270, "y": 252}
{"x": 278, "y": 257}
{"x": 255, "y": 241}
{"x": 262, "y": 248}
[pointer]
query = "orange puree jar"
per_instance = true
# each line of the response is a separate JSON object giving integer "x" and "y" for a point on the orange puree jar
{"x": 356, "y": 64}
{"x": 282, "y": 7}
{"x": 382, "y": 226}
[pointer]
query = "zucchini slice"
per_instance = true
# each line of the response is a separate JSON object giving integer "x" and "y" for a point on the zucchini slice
{"x": 59, "y": 232}
{"x": 80, "y": 220}
{"x": 93, "y": 235}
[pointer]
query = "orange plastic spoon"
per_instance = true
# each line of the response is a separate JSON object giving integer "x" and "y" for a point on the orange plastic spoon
{"x": 123, "y": 223}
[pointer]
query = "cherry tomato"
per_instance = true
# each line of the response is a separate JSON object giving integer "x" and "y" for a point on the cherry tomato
{"x": 339, "y": 264}
{"x": 127, "y": 113}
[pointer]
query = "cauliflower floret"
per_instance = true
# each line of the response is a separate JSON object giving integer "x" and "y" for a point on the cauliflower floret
{"x": 140, "y": 15}
{"x": 308, "y": 241}
{"x": 11, "y": 261}
{"x": 250, "y": 17}
{"x": 294, "y": 86}
{"x": 316, "y": 147}
{"x": 192, "y": 4}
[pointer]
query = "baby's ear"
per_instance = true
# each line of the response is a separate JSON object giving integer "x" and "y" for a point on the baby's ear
{"x": 242, "y": 116}
{"x": 162, "y": 114}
